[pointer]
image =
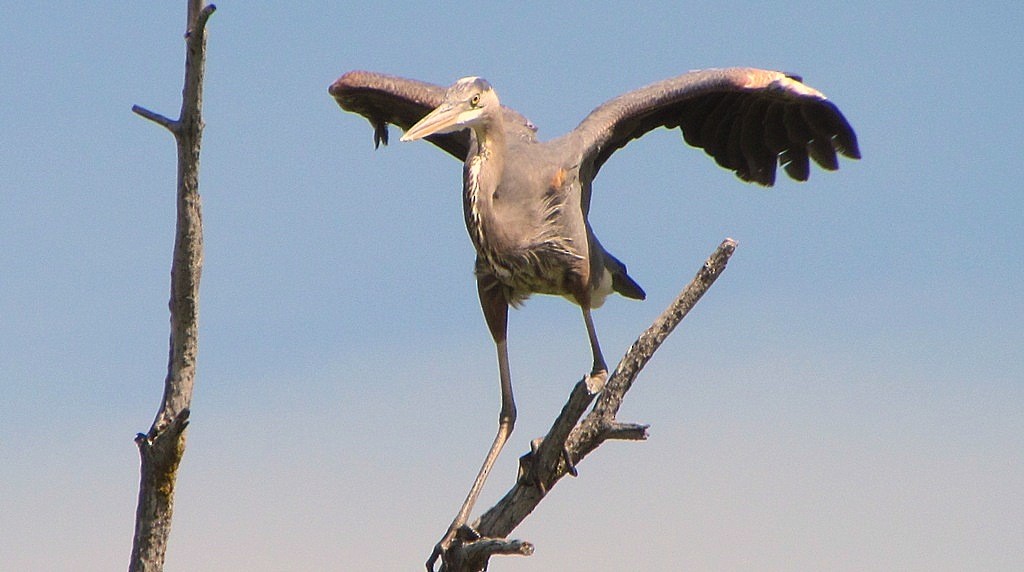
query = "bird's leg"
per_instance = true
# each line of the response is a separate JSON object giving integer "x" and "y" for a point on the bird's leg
{"x": 595, "y": 347}
{"x": 495, "y": 307}
{"x": 599, "y": 373}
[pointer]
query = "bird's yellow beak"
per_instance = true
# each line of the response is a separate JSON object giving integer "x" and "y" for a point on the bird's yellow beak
{"x": 440, "y": 120}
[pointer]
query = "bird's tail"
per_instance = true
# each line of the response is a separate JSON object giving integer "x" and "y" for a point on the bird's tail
{"x": 621, "y": 282}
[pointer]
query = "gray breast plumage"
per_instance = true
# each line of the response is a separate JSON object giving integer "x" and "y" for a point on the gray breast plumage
{"x": 541, "y": 261}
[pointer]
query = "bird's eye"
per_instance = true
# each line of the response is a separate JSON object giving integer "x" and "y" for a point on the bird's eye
{"x": 475, "y": 101}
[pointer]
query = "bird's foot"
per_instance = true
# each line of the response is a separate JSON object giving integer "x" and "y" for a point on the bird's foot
{"x": 528, "y": 467}
{"x": 461, "y": 534}
{"x": 570, "y": 467}
{"x": 597, "y": 380}
{"x": 528, "y": 470}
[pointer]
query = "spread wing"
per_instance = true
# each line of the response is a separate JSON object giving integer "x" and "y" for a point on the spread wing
{"x": 749, "y": 120}
{"x": 384, "y": 99}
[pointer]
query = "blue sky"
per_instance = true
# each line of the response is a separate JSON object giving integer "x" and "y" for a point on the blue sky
{"x": 847, "y": 397}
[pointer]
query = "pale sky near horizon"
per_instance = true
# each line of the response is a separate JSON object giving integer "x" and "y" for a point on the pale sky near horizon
{"x": 848, "y": 396}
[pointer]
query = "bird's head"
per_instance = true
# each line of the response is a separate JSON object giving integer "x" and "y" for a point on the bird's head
{"x": 467, "y": 103}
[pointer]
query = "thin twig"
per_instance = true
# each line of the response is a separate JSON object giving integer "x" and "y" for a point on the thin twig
{"x": 155, "y": 117}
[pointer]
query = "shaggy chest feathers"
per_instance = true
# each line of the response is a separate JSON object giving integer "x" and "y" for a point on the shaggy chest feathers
{"x": 516, "y": 235}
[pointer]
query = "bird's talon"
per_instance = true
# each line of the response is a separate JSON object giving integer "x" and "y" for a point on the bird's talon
{"x": 461, "y": 535}
{"x": 528, "y": 469}
{"x": 438, "y": 551}
{"x": 525, "y": 462}
{"x": 570, "y": 467}
{"x": 467, "y": 533}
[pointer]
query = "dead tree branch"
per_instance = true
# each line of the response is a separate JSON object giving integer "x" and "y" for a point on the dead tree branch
{"x": 570, "y": 440}
{"x": 161, "y": 449}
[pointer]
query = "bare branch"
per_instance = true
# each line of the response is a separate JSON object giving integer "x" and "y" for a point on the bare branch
{"x": 161, "y": 449}
{"x": 487, "y": 548}
{"x": 644, "y": 347}
{"x": 624, "y": 431}
{"x": 170, "y": 124}
{"x": 569, "y": 439}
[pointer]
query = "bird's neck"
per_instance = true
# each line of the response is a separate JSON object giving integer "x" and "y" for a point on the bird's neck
{"x": 486, "y": 161}
{"x": 482, "y": 177}
{"x": 490, "y": 142}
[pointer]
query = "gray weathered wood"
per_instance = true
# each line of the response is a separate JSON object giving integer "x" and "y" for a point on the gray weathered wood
{"x": 161, "y": 449}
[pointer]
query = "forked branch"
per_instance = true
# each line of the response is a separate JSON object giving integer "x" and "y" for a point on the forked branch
{"x": 570, "y": 440}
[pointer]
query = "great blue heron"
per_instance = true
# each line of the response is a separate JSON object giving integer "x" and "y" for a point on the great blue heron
{"x": 526, "y": 202}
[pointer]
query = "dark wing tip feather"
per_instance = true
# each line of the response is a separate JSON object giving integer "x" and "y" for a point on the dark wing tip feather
{"x": 380, "y": 133}
{"x": 845, "y": 139}
{"x": 794, "y": 160}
